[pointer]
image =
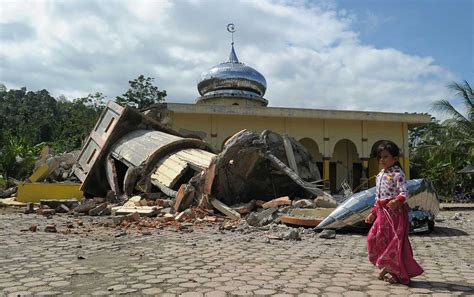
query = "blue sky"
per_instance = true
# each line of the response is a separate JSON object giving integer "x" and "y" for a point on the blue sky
{"x": 384, "y": 55}
{"x": 442, "y": 29}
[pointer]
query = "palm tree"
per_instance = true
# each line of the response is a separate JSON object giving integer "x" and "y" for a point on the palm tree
{"x": 463, "y": 123}
{"x": 440, "y": 150}
{"x": 452, "y": 144}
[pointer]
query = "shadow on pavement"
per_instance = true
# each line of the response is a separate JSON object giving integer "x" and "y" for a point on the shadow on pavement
{"x": 437, "y": 232}
{"x": 443, "y": 286}
{"x": 444, "y": 232}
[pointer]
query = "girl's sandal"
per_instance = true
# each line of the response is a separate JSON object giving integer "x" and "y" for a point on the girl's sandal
{"x": 391, "y": 279}
{"x": 382, "y": 274}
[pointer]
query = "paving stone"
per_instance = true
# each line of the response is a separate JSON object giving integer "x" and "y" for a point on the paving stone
{"x": 291, "y": 291}
{"x": 141, "y": 286}
{"x": 116, "y": 288}
{"x": 312, "y": 291}
{"x": 101, "y": 293}
{"x": 8, "y": 284}
{"x": 191, "y": 294}
{"x": 48, "y": 293}
{"x": 19, "y": 293}
{"x": 176, "y": 290}
{"x": 215, "y": 294}
{"x": 34, "y": 284}
{"x": 377, "y": 293}
{"x": 355, "y": 294}
{"x": 59, "y": 283}
{"x": 154, "y": 281}
{"x": 152, "y": 291}
{"x": 15, "y": 289}
{"x": 334, "y": 289}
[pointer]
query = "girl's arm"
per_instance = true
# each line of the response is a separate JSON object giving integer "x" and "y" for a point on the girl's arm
{"x": 401, "y": 184}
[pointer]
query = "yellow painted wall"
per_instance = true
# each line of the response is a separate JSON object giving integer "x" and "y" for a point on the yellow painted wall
{"x": 195, "y": 122}
{"x": 312, "y": 128}
{"x": 384, "y": 131}
{"x": 351, "y": 130}
{"x": 219, "y": 127}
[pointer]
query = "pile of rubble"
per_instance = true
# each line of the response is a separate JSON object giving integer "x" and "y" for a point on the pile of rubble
{"x": 48, "y": 169}
{"x": 131, "y": 155}
{"x": 141, "y": 174}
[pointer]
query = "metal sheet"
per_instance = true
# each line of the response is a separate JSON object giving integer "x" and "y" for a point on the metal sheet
{"x": 353, "y": 211}
{"x": 135, "y": 147}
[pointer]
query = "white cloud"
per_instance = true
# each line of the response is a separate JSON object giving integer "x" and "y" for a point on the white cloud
{"x": 309, "y": 53}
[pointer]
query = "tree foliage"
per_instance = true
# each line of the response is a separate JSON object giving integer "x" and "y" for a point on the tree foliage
{"x": 440, "y": 150}
{"x": 32, "y": 119}
{"x": 142, "y": 93}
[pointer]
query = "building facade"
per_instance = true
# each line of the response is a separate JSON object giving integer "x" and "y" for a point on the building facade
{"x": 342, "y": 142}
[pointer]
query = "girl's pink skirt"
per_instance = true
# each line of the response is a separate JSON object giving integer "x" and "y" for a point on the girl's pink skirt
{"x": 388, "y": 244}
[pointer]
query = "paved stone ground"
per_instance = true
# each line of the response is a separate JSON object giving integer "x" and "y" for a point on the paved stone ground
{"x": 93, "y": 260}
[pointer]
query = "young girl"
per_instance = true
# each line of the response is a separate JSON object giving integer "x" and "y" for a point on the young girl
{"x": 387, "y": 242}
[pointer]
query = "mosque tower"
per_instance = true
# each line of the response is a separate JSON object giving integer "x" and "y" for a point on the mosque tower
{"x": 232, "y": 83}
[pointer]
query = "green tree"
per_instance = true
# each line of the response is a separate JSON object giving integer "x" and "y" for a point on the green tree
{"x": 142, "y": 93}
{"x": 463, "y": 123}
{"x": 440, "y": 150}
{"x": 76, "y": 118}
{"x": 30, "y": 119}
{"x": 29, "y": 114}
{"x": 17, "y": 156}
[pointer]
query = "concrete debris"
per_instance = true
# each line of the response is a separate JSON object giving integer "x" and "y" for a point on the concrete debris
{"x": 52, "y": 178}
{"x": 262, "y": 218}
{"x": 56, "y": 204}
{"x": 245, "y": 208}
{"x": 326, "y": 202}
{"x": 141, "y": 174}
{"x": 8, "y": 192}
{"x": 232, "y": 214}
{"x": 141, "y": 210}
{"x": 101, "y": 209}
{"x": 291, "y": 235}
{"x": 328, "y": 234}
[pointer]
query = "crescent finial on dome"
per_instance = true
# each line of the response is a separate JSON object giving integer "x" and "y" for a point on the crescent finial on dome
{"x": 231, "y": 80}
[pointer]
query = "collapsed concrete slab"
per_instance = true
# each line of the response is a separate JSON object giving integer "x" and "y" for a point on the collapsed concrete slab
{"x": 256, "y": 166}
{"x": 123, "y": 151}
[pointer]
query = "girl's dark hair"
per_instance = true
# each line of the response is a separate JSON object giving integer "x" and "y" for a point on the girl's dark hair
{"x": 390, "y": 147}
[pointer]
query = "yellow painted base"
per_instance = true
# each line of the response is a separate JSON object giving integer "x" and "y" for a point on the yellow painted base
{"x": 34, "y": 192}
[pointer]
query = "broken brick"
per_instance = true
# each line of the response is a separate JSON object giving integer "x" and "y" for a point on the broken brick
{"x": 285, "y": 200}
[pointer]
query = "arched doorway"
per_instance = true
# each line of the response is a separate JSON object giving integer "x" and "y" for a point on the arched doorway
{"x": 313, "y": 150}
{"x": 345, "y": 164}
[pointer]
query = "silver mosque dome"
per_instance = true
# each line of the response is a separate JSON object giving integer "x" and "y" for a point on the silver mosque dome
{"x": 233, "y": 79}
